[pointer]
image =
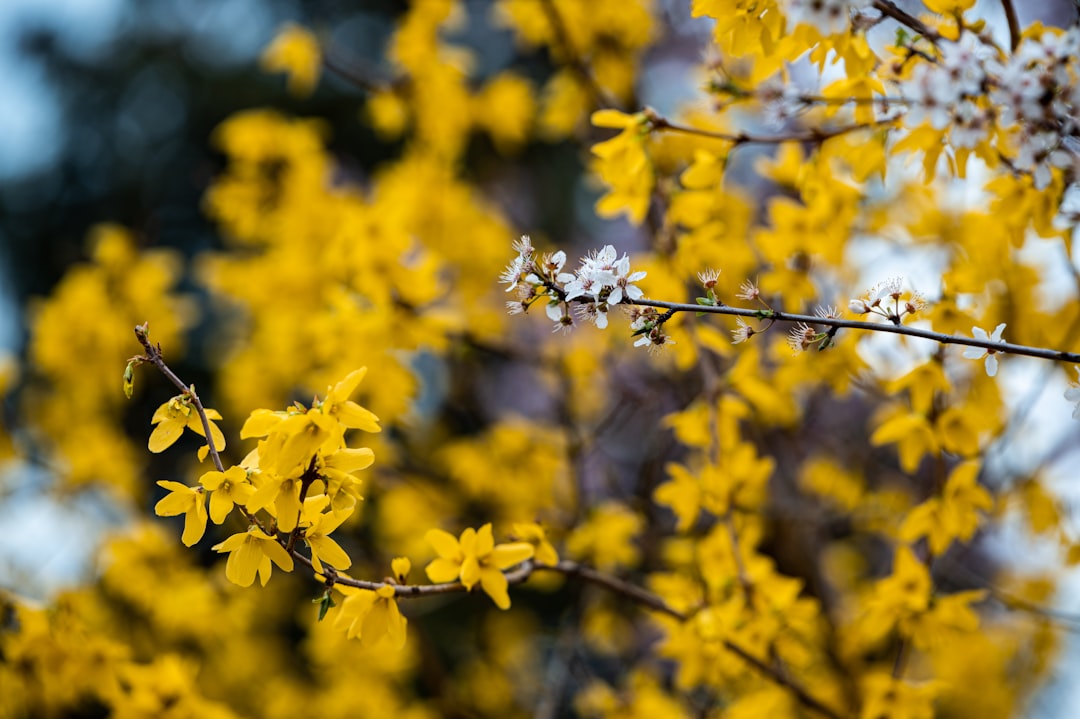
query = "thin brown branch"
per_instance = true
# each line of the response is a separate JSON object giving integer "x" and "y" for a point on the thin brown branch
{"x": 363, "y": 80}
{"x": 1014, "y": 24}
{"x": 777, "y": 316}
{"x": 890, "y": 9}
{"x": 573, "y": 59}
{"x": 783, "y": 680}
{"x": 814, "y": 135}
{"x": 154, "y": 356}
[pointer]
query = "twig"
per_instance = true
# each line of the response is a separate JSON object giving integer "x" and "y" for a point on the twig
{"x": 575, "y": 61}
{"x": 1014, "y": 24}
{"x": 815, "y": 135}
{"x": 350, "y": 75}
{"x": 887, "y": 7}
{"x": 153, "y": 355}
{"x": 783, "y": 680}
{"x": 777, "y": 316}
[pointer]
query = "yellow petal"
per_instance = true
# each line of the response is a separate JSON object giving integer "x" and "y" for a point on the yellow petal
{"x": 344, "y": 389}
{"x": 244, "y": 563}
{"x": 194, "y": 523}
{"x": 220, "y": 506}
{"x": 354, "y": 416}
{"x": 443, "y": 570}
{"x": 164, "y": 435}
{"x": 277, "y": 553}
{"x": 351, "y": 460}
{"x": 505, "y": 556}
{"x": 613, "y": 118}
{"x": 494, "y": 584}
{"x": 174, "y": 503}
{"x": 470, "y": 571}
{"x": 485, "y": 541}
{"x": 329, "y": 551}
{"x": 445, "y": 544}
{"x": 260, "y": 423}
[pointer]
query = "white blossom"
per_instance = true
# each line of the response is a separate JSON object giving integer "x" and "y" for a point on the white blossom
{"x": 1073, "y": 394}
{"x": 976, "y": 353}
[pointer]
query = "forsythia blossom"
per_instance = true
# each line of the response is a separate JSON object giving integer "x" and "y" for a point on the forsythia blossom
{"x": 474, "y": 557}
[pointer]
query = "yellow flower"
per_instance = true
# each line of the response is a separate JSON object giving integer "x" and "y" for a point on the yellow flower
{"x": 228, "y": 488}
{"x": 294, "y": 51}
{"x": 337, "y": 469}
{"x": 953, "y": 516}
{"x": 476, "y": 558}
{"x": 535, "y": 535}
{"x": 338, "y": 405}
{"x": 401, "y": 566}
{"x": 322, "y": 547}
{"x": 173, "y": 416}
{"x": 251, "y": 552}
{"x": 624, "y": 165}
{"x": 607, "y": 537}
{"x": 189, "y": 501}
{"x": 303, "y": 434}
{"x": 373, "y": 616}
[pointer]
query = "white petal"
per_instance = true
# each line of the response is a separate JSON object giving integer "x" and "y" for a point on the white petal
{"x": 973, "y": 353}
{"x": 991, "y": 365}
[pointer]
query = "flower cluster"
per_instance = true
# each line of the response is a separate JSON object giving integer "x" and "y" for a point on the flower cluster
{"x": 1032, "y": 96}
{"x": 602, "y": 281}
{"x": 827, "y": 16}
{"x": 876, "y": 301}
{"x": 302, "y": 475}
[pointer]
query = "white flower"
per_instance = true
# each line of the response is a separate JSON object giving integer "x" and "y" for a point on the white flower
{"x": 801, "y": 337}
{"x": 1068, "y": 215}
{"x": 623, "y": 287}
{"x": 748, "y": 291}
{"x": 742, "y": 333}
{"x": 523, "y": 246}
{"x": 593, "y": 312}
{"x": 708, "y": 278}
{"x": 514, "y": 272}
{"x": 828, "y": 16}
{"x": 1073, "y": 394}
{"x": 858, "y": 307}
{"x": 976, "y": 353}
{"x": 828, "y": 312}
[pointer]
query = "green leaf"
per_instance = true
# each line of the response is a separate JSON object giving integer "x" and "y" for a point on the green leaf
{"x": 325, "y": 602}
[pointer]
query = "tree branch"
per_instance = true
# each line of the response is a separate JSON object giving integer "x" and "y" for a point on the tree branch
{"x": 815, "y": 135}
{"x": 575, "y": 61}
{"x": 1014, "y": 24}
{"x": 887, "y": 7}
{"x": 777, "y": 316}
{"x": 154, "y": 356}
